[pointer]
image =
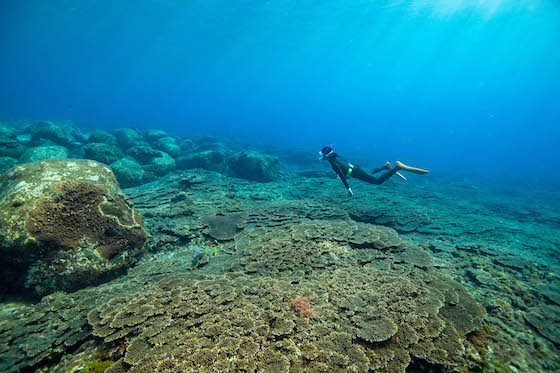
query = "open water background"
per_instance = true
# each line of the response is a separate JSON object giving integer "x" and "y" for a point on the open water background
{"x": 458, "y": 87}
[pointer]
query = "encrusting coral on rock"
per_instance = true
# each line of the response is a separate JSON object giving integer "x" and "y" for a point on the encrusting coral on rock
{"x": 64, "y": 225}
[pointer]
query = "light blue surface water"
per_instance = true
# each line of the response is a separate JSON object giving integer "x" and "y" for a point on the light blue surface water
{"x": 450, "y": 85}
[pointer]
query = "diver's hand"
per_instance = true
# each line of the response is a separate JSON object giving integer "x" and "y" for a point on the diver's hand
{"x": 350, "y": 193}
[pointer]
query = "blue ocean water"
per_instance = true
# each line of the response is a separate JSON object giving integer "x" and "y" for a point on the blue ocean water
{"x": 455, "y": 86}
{"x": 207, "y": 250}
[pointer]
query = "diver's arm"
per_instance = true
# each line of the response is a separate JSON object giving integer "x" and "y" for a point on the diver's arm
{"x": 340, "y": 174}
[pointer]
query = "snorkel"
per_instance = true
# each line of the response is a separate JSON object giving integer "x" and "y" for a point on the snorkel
{"x": 326, "y": 152}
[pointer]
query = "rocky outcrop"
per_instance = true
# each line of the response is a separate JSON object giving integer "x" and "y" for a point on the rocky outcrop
{"x": 44, "y": 152}
{"x": 210, "y": 160}
{"x": 64, "y": 225}
{"x": 104, "y": 137}
{"x": 101, "y": 152}
{"x": 58, "y": 133}
{"x": 252, "y": 165}
{"x": 128, "y": 172}
{"x": 152, "y": 160}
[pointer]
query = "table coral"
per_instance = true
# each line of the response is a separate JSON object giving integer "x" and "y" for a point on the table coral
{"x": 238, "y": 322}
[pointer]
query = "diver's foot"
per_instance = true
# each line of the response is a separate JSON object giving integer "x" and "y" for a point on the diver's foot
{"x": 415, "y": 170}
{"x": 389, "y": 167}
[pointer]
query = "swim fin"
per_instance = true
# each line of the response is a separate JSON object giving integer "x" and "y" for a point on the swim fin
{"x": 389, "y": 167}
{"x": 411, "y": 169}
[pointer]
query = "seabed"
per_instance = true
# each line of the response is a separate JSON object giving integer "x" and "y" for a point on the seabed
{"x": 291, "y": 275}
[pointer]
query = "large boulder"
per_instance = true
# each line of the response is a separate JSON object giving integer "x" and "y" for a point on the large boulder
{"x": 11, "y": 147}
{"x": 103, "y": 137}
{"x": 7, "y": 131}
{"x": 187, "y": 145}
{"x": 152, "y": 160}
{"x": 129, "y": 173}
{"x": 44, "y": 152}
{"x": 64, "y": 225}
{"x": 103, "y": 153}
{"x": 128, "y": 137}
{"x": 167, "y": 145}
{"x": 153, "y": 135}
{"x": 58, "y": 133}
{"x": 210, "y": 160}
{"x": 252, "y": 165}
{"x": 6, "y": 163}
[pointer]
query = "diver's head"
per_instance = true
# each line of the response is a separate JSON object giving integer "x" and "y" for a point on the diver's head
{"x": 326, "y": 152}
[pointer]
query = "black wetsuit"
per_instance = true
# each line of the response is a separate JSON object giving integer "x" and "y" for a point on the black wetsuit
{"x": 342, "y": 167}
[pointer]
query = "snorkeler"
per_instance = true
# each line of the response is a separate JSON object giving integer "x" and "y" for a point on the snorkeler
{"x": 345, "y": 169}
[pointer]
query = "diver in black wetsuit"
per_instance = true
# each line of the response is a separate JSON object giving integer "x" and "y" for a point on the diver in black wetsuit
{"x": 345, "y": 169}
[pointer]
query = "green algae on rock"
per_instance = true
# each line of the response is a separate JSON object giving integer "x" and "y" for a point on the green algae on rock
{"x": 251, "y": 165}
{"x": 104, "y": 153}
{"x": 44, "y": 152}
{"x": 64, "y": 225}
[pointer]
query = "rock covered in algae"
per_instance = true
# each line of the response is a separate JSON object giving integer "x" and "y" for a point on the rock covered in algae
{"x": 65, "y": 224}
{"x": 101, "y": 152}
{"x": 62, "y": 133}
{"x": 252, "y": 165}
{"x": 44, "y": 152}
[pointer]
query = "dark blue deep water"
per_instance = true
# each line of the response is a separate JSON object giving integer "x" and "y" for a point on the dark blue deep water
{"x": 452, "y": 85}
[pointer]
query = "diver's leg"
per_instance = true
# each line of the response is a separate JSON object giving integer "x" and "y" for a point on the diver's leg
{"x": 379, "y": 169}
{"x": 363, "y": 175}
{"x": 415, "y": 170}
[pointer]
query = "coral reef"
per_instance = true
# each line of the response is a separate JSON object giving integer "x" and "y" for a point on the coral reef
{"x": 289, "y": 275}
{"x": 302, "y": 307}
{"x": 236, "y": 322}
{"x": 156, "y": 152}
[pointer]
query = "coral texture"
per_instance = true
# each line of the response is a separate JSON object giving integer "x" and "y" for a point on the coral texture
{"x": 237, "y": 322}
{"x": 65, "y": 225}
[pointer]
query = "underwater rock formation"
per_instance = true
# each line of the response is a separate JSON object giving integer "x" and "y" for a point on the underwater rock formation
{"x": 101, "y": 152}
{"x": 152, "y": 160}
{"x": 10, "y": 147}
{"x": 44, "y": 152}
{"x": 128, "y": 137}
{"x": 252, "y": 165}
{"x": 6, "y": 163}
{"x": 168, "y": 145}
{"x": 64, "y": 225}
{"x": 128, "y": 172}
{"x": 153, "y": 135}
{"x": 59, "y": 133}
{"x": 103, "y": 137}
{"x": 211, "y": 160}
